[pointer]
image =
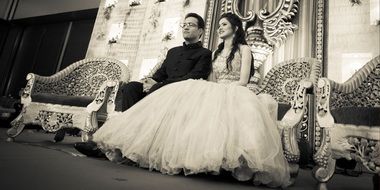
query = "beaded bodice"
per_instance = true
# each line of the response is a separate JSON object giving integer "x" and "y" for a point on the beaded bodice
{"x": 220, "y": 73}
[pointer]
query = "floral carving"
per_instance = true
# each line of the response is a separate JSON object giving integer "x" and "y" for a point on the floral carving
{"x": 100, "y": 97}
{"x": 278, "y": 85}
{"x": 365, "y": 151}
{"x": 85, "y": 80}
{"x": 53, "y": 121}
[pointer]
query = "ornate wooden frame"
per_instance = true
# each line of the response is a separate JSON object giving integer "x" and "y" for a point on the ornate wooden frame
{"x": 52, "y": 117}
{"x": 335, "y": 140}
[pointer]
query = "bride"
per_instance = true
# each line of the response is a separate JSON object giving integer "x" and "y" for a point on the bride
{"x": 204, "y": 126}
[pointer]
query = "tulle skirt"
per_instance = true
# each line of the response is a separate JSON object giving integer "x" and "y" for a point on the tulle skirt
{"x": 199, "y": 126}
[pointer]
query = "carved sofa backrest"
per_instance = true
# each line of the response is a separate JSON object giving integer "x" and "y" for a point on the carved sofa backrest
{"x": 83, "y": 78}
{"x": 282, "y": 80}
{"x": 361, "y": 90}
{"x": 359, "y": 96}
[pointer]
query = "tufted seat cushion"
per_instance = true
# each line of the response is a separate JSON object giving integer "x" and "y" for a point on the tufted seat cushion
{"x": 80, "y": 101}
{"x": 369, "y": 116}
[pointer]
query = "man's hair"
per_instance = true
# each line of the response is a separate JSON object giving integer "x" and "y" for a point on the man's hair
{"x": 201, "y": 22}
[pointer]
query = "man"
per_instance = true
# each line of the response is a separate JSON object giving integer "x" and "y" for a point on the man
{"x": 189, "y": 61}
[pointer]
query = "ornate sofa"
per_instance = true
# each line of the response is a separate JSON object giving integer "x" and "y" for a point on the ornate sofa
{"x": 73, "y": 97}
{"x": 348, "y": 122}
{"x": 292, "y": 83}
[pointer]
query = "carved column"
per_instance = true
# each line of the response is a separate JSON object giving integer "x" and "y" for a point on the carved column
{"x": 260, "y": 48}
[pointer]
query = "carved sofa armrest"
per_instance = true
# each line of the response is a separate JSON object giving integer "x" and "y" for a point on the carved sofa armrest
{"x": 348, "y": 122}
{"x": 290, "y": 84}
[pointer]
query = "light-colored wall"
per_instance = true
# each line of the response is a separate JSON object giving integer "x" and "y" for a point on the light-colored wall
{"x": 352, "y": 40}
{"x": 140, "y": 45}
{"x": 32, "y": 8}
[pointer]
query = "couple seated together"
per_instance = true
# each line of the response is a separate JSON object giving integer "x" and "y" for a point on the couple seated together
{"x": 196, "y": 115}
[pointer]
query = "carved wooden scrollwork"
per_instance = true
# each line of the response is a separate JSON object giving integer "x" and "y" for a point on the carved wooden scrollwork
{"x": 280, "y": 80}
{"x": 366, "y": 151}
{"x": 277, "y": 25}
{"x": 53, "y": 121}
{"x": 232, "y": 6}
{"x": 82, "y": 78}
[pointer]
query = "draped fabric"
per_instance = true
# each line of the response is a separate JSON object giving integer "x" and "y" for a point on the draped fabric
{"x": 257, "y": 5}
{"x": 299, "y": 44}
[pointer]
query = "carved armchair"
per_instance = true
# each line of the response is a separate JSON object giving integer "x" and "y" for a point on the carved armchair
{"x": 348, "y": 122}
{"x": 290, "y": 83}
{"x": 73, "y": 97}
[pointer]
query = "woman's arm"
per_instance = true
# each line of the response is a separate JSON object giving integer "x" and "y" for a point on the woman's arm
{"x": 246, "y": 62}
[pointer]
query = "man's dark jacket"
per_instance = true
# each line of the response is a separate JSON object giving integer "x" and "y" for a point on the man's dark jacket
{"x": 190, "y": 61}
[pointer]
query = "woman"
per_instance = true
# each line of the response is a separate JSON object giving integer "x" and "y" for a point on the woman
{"x": 204, "y": 126}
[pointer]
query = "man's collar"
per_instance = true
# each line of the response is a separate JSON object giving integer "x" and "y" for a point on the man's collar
{"x": 193, "y": 46}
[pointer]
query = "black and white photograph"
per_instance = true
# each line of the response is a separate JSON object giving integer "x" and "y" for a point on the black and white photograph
{"x": 189, "y": 94}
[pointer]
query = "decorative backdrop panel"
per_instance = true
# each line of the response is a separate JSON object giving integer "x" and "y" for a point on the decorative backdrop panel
{"x": 140, "y": 35}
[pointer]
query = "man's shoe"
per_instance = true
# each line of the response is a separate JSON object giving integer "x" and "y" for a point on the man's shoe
{"x": 60, "y": 135}
{"x": 89, "y": 149}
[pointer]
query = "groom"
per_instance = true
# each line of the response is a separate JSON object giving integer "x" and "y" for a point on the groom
{"x": 189, "y": 61}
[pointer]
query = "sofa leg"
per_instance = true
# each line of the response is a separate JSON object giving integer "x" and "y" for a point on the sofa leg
{"x": 323, "y": 172}
{"x": 10, "y": 139}
{"x": 321, "y": 186}
{"x": 17, "y": 127}
{"x": 60, "y": 135}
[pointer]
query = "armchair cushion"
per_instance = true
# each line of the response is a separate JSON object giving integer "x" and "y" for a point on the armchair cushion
{"x": 368, "y": 116}
{"x": 81, "y": 101}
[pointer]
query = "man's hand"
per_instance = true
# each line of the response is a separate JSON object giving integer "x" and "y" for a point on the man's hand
{"x": 147, "y": 83}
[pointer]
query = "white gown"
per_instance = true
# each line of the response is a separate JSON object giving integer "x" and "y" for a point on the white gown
{"x": 201, "y": 126}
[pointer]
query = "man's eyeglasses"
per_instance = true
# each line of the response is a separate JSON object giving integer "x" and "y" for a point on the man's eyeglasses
{"x": 183, "y": 25}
